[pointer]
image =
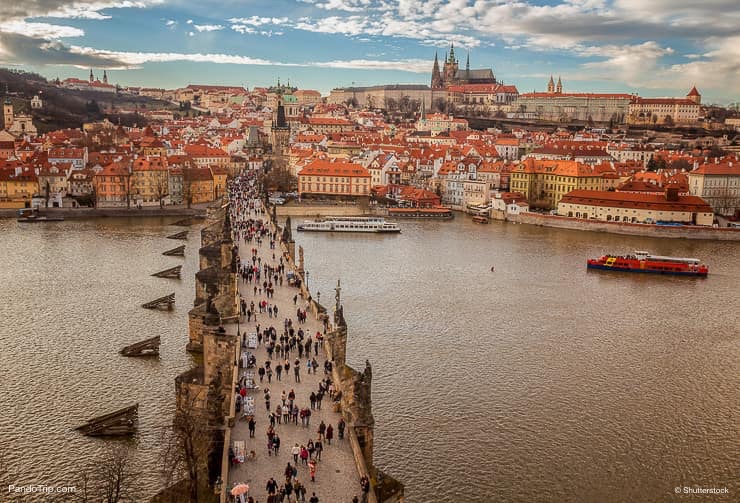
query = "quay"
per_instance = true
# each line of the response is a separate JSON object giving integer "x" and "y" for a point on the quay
{"x": 227, "y": 339}
{"x": 196, "y": 211}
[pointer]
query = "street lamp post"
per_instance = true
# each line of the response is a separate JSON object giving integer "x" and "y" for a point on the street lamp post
{"x": 306, "y": 280}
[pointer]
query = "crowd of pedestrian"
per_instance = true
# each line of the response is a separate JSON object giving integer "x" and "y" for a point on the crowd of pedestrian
{"x": 290, "y": 350}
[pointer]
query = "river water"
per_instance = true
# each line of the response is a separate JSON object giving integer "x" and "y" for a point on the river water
{"x": 70, "y": 299}
{"x": 537, "y": 382}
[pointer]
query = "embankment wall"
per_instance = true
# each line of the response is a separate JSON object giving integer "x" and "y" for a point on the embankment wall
{"x": 658, "y": 231}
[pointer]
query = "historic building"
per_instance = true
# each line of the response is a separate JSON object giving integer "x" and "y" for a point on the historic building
{"x": 718, "y": 184}
{"x": 280, "y": 132}
{"x": 666, "y": 110}
{"x": 334, "y": 177}
{"x": 545, "y": 182}
{"x": 635, "y": 207}
{"x": 451, "y": 74}
{"x": 558, "y": 106}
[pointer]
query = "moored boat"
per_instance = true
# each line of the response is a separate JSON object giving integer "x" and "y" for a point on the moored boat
{"x": 643, "y": 262}
{"x": 41, "y": 219}
{"x": 33, "y": 215}
{"x": 480, "y": 219}
{"x": 435, "y": 213}
{"x": 349, "y": 224}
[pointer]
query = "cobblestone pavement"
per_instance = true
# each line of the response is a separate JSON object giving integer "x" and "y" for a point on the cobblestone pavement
{"x": 337, "y": 480}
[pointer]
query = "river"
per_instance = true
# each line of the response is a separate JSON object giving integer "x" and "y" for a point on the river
{"x": 70, "y": 300}
{"x": 537, "y": 382}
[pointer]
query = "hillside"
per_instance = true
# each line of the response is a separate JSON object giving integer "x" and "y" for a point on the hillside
{"x": 66, "y": 108}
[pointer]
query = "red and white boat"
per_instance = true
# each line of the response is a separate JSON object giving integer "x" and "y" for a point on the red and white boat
{"x": 642, "y": 261}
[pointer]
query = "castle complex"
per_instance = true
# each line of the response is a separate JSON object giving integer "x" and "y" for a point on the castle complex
{"x": 452, "y": 75}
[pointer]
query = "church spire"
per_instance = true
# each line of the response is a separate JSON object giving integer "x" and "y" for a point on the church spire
{"x": 551, "y": 86}
{"x": 436, "y": 75}
{"x": 91, "y": 76}
{"x": 105, "y": 77}
{"x": 559, "y": 88}
{"x": 452, "y": 53}
{"x": 467, "y": 63}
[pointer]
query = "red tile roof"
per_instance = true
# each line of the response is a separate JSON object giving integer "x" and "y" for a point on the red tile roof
{"x": 634, "y": 200}
{"x": 321, "y": 167}
{"x": 723, "y": 169}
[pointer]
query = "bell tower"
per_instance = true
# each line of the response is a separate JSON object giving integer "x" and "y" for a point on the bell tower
{"x": 7, "y": 110}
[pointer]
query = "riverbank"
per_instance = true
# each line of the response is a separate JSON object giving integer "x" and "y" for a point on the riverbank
{"x": 320, "y": 210}
{"x": 84, "y": 213}
{"x": 647, "y": 230}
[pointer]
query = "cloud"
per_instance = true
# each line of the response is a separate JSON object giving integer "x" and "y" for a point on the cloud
{"x": 16, "y": 49}
{"x": 258, "y": 21}
{"x": 40, "y": 30}
{"x": 171, "y": 23}
{"x": 70, "y": 9}
{"x": 207, "y": 27}
{"x": 628, "y": 63}
{"x": 409, "y": 65}
{"x": 21, "y": 49}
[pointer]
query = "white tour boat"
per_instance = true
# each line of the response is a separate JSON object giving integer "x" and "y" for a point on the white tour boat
{"x": 349, "y": 224}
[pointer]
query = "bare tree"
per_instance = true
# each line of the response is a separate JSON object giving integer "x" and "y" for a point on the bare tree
{"x": 187, "y": 445}
{"x": 162, "y": 191}
{"x": 187, "y": 185}
{"x": 113, "y": 478}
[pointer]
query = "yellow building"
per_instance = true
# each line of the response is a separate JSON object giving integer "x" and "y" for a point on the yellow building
{"x": 149, "y": 183}
{"x": 544, "y": 182}
{"x": 197, "y": 185}
{"x": 334, "y": 177}
{"x": 18, "y": 186}
{"x": 220, "y": 176}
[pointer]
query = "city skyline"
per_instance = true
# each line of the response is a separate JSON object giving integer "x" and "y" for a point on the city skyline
{"x": 659, "y": 48}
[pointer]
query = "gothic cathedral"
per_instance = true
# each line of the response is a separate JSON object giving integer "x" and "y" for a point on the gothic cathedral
{"x": 451, "y": 75}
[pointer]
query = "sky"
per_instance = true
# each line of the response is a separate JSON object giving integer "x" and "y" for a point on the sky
{"x": 648, "y": 47}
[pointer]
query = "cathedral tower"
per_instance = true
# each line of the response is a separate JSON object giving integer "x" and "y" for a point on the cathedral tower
{"x": 91, "y": 76}
{"x": 551, "y": 86}
{"x": 559, "y": 88}
{"x": 105, "y": 77}
{"x": 437, "y": 82}
{"x": 450, "y": 67}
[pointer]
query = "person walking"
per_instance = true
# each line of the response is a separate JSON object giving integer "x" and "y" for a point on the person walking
{"x": 322, "y": 429}
{"x": 340, "y": 427}
{"x": 313, "y": 498}
{"x": 329, "y": 434}
{"x": 311, "y": 448}
{"x": 288, "y": 472}
{"x": 365, "y": 486}
{"x": 297, "y": 372}
{"x": 271, "y": 486}
{"x": 312, "y": 470}
{"x": 300, "y": 490}
{"x": 295, "y": 451}
{"x": 319, "y": 449}
{"x": 252, "y": 427}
